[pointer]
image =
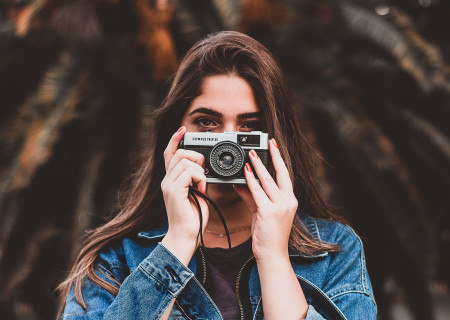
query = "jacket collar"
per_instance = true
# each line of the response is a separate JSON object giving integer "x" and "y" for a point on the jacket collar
{"x": 155, "y": 233}
{"x": 310, "y": 223}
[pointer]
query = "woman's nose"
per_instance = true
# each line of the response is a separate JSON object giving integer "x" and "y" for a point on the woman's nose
{"x": 230, "y": 127}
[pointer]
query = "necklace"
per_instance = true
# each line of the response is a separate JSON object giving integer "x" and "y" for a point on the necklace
{"x": 221, "y": 235}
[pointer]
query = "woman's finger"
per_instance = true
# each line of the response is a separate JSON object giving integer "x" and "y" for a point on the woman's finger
{"x": 267, "y": 182}
{"x": 190, "y": 155}
{"x": 255, "y": 188}
{"x": 172, "y": 146}
{"x": 181, "y": 167}
{"x": 283, "y": 178}
{"x": 189, "y": 176}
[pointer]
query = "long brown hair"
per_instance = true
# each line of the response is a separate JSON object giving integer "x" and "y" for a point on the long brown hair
{"x": 143, "y": 206}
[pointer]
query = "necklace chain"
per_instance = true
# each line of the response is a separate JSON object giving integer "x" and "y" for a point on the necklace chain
{"x": 221, "y": 235}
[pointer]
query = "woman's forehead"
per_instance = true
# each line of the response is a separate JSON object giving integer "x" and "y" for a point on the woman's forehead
{"x": 228, "y": 94}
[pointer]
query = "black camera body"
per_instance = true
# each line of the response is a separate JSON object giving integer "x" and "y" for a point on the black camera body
{"x": 226, "y": 153}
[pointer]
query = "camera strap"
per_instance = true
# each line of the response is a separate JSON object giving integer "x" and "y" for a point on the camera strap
{"x": 193, "y": 192}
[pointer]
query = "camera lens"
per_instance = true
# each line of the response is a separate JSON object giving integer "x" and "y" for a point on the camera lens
{"x": 226, "y": 159}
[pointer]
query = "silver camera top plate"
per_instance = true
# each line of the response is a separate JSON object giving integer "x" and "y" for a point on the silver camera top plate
{"x": 212, "y": 138}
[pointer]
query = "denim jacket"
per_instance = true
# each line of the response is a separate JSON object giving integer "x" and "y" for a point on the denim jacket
{"x": 336, "y": 285}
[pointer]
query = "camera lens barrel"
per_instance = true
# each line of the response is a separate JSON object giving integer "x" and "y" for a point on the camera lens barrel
{"x": 226, "y": 159}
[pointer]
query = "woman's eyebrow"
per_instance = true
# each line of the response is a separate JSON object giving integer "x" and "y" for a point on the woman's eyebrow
{"x": 207, "y": 111}
{"x": 217, "y": 114}
{"x": 249, "y": 115}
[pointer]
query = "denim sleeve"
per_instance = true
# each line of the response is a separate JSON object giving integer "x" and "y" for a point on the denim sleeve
{"x": 144, "y": 294}
{"x": 312, "y": 314}
{"x": 347, "y": 283}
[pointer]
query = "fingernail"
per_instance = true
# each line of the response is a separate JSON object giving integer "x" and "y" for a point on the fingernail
{"x": 274, "y": 143}
{"x": 247, "y": 167}
{"x": 253, "y": 153}
{"x": 181, "y": 129}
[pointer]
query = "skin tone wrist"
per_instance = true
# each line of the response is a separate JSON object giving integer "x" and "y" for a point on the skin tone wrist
{"x": 281, "y": 291}
{"x": 269, "y": 258}
{"x": 183, "y": 249}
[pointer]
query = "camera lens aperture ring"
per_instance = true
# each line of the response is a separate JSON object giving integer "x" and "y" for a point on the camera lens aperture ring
{"x": 226, "y": 159}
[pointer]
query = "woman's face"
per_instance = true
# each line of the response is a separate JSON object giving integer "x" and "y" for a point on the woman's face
{"x": 226, "y": 103}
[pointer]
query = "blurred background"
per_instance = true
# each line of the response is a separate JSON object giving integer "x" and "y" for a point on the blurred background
{"x": 371, "y": 83}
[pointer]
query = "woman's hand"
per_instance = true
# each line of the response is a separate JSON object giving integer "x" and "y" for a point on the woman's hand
{"x": 183, "y": 167}
{"x": 273, "y": 205}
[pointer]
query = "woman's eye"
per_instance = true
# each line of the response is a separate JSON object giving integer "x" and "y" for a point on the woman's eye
{"x": 204, "y": 122}
{"x": 252, "y": 125}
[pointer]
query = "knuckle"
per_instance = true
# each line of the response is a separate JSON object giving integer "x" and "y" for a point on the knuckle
{"x": 176, "y": 155}
{"x": 180, "y": 152}
{"x": 184, "y": 162}
{"x": 187, "y": 163}
{"x": 189, "y": 172}
{"x": 293, "y": 204}
{"x": 196, "y": 155}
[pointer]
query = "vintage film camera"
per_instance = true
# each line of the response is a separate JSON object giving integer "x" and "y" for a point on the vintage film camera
{"x": 226, "y": 153}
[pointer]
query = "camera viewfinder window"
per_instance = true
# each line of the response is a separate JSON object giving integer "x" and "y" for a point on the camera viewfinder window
{"x": 249, "y": 140}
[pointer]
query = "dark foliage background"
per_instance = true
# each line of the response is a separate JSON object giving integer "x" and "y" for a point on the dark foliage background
{"x": 79, "y": 79}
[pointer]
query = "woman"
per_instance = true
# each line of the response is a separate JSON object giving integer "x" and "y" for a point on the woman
{"x": 290, "y": 257}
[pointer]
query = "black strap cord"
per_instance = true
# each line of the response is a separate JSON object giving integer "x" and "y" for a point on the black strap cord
{"x": 193, "y": 192}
